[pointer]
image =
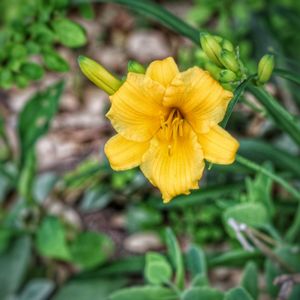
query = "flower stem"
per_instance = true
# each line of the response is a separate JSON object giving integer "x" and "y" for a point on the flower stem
{"x": 253, "y": 166}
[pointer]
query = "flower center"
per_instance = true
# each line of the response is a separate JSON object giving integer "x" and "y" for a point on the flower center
{"x": 172, "y": 127}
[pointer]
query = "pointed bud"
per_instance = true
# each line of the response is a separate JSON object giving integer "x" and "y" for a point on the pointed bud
{"x": 265, "y": 68}
{"x": 211, "y": 47}
{"x": 227, "y": 45}
{"x": 99, "y": 75}
{"x": 135, "y": 67}
{"x": 213, "y": 70}
{"x": 227, "y": 76}
{"x": 229, "y": 61}
{"x": 218, "y": 38}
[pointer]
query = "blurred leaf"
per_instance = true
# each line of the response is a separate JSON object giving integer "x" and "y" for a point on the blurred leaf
{"x": 176, "y": 257}
{"x": 34, "y": 122}
{"x": 53, "y": 61}
{"x": 96, "y": 289}
{"x": 96, "y": 198}
{"x": 260, "y": 151}
{"x": 41, "y": 33}
{"x": 251, "y": 214}
{"x": 233, "y": 258}
{"x": 202, "y": 293}
{"x": 199, "y": 196}
{"x": 35, "y": 118}
{"x": 51, "y": 239}
{"x": 32, "y": 71}
{"x": 259, "y": 191}
{"x": 60, "y": 4}
{"x": 69, "y": 33}
{"x": 87, "y": 11}
{"x": 238, "y": 293}
{"x": 21, "y": 81}
{"x": 5, "y": 237}
{"x": 13, "y": 265}
{"x": 91, "y": 249}
{"x": 250, "y": 280}
{"x": 6, "y": 78}
{"x": 145, "y": 293}
{"x": 43, "y": 185}
{"x": 26, "y": 176}
{"x": 37, "y": 289}
{"x": 196, "y": 261}
{"x": 280, "y": 115}
{"x": 142, "y": 217}
{"x": 294, "y": 77}
{"x": 125, "y": 266}
{"x": 18, "y": 51}
{"x": 157, "y": 270}
{"x": 200, "y": 280}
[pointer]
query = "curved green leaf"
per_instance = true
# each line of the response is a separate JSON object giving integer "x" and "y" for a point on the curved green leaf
{"x": 147, "y": 8}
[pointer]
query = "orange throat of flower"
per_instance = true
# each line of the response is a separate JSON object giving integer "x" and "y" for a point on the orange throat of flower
{"x": 171, "y": 128}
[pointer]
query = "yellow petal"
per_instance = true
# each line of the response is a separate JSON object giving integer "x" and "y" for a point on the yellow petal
{"x": 200, "y": 98}
{"x": 162, "y": 71}
{"x": 174, "y": 167}
{"x": 124, "y": 154}
{"x": 136, "y": 108}
{"x": 218, "y": 145}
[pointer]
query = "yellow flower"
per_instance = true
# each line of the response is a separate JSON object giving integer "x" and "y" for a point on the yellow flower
{"x": 167, "y": 123}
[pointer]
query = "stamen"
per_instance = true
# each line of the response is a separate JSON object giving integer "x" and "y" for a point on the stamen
{"x": 172, "y": 128}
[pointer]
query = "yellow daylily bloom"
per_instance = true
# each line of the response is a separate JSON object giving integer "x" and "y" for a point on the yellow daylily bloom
{"x": 167, "y": 124}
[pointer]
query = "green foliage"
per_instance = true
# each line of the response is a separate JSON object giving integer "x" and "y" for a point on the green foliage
{"x": 34, "y": 122}
{"x": 267, "y": 219}
{"x": 69, "y": 33}
{"x": 34, "y": 28}
{"x": 198, "y": 293}
{"x": 157, "y": 270}
{"x": 196, "y": 261}
{"x": 53, "y": 61}
{"x": 250, "y": 280}
{"x": 13, "y": 264}
{"x": 175, "y": 256}
{"x": 35, "y": 118}
{"x": 238, "y": 293}
{"x": 145, "y": 292}
{"x": 51, "y": 239}
{"x": 90, "y": 249}
{"x": 37, "y": 289}
{"x": 88, "y": 289}
{"x": 87, "y": 249}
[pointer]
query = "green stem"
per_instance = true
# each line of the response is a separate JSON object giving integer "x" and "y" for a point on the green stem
{"x": 253, "y": 166}
{"x": 237, "y": 94}
{"x": 294, "y": 229}
{"x": 294, "y": 77}
{"x": 147, "y": 8}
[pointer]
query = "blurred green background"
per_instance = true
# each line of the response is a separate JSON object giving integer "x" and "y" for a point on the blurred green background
{"x": 71, "y": 228}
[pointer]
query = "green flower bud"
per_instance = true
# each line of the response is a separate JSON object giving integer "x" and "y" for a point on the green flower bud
{"x": 229, "y": 60}
{"x": 227, "y": 76}
{"x": 265, "y": 68}
{"x": 99, "y": 75}
{"x": 218, "y": 38}
{"x": 213, "y": 70}
{"x": 227, "y": 45}
{"x": 211, "y": 47}
{"x": 135, "y": 67}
